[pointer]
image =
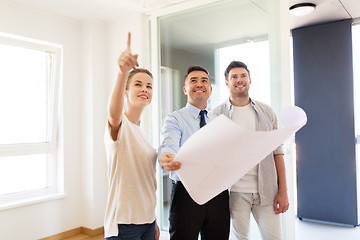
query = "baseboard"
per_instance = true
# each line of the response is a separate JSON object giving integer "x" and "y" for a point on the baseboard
{"x": 92, "y": 232}
{"x": 76, "y": 231}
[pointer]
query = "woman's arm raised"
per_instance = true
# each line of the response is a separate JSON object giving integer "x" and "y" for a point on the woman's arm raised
{"x": 126, "y": 62}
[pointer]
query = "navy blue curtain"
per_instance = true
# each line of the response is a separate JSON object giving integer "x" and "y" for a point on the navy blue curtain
{"x": 323, "y": 84}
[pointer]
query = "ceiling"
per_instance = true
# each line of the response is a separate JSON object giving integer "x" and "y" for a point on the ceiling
{"x": 105, "y": 10}
{"x": 326, "y": 10}
{"x": 230, "y": 22}
{"x": 199, "y": 30}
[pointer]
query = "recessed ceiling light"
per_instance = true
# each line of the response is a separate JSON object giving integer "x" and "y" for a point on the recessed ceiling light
{"x": 301, "y": 9}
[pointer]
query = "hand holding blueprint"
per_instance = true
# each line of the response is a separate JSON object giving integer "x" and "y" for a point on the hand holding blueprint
{"x": 221, "y": 152}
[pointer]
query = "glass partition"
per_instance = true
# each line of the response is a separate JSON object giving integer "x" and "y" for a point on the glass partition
{"x": 200, "y": 35}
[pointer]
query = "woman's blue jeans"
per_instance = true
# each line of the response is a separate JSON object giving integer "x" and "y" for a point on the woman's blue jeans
{"x": 135, "y": 232}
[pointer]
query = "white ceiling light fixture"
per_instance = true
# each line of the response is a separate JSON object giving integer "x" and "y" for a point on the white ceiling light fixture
{"x": 302, "y": 9}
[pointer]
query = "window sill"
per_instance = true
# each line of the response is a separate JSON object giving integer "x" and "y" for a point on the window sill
{"x": 30, "y": 201}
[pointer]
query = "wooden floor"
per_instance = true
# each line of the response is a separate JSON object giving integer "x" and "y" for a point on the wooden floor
{"x": 163, "y": 236}
{"x": 85, "y": 237}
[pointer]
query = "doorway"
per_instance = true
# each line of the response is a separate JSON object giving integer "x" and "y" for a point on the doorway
{"x": 196, "y": 35}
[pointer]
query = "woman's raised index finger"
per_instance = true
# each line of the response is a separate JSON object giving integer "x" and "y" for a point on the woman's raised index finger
{"x": 129, "y": 42}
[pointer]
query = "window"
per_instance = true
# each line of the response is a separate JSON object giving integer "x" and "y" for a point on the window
{"x": 356, "y": 62}
{"x": 259, "y": 67}
{"x": 356, "y": 72}
{"x": 29, "y": 90}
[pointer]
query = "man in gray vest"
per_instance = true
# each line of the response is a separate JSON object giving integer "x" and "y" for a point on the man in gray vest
{"x": 262, "y": 191}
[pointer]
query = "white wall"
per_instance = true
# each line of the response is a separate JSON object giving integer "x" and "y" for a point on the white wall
{"x": 116, "y": 43}
{"x": 43, "y": 219}
{"x": 93, "y": 119}
{"x": 90, "y": 51}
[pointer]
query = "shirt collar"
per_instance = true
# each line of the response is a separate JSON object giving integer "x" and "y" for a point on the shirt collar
{"x": 229, "y": 106}
{"x": 194, "y": 111}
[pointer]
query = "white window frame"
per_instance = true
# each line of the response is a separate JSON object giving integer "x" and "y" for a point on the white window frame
{"x": 55, "y": 188}
{"x": 356, "y": 79}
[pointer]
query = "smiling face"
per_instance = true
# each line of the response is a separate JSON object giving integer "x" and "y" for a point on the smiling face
{"x": 197, "y": 88}
{"x": 139, "y": 91}
{"x": 238, "y": 82}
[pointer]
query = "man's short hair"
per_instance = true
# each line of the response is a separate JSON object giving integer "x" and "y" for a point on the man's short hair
{"x": 195, "y": 68}
{"x": 235, "y": 64}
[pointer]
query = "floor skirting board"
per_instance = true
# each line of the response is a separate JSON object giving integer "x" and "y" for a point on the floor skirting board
{"x": 73, "y": 232}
